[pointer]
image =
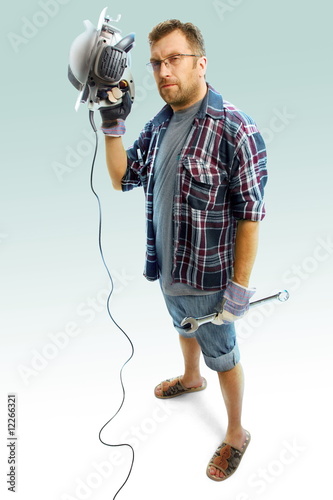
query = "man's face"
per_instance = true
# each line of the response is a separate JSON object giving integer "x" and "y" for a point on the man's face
{"x": 184, "y": 84}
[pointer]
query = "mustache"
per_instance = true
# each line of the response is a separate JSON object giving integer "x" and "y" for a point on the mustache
{"x": 167, "y": 82}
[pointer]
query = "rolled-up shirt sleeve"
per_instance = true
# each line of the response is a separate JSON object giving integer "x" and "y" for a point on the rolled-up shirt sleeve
{"x": 132, "y": 176}
{"x": 249, "y": 176}
{"x": 136, "y": 173}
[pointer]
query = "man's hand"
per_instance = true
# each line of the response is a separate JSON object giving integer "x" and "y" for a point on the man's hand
{"x": 114, "y": 116}
{"x": 235, "y": 303}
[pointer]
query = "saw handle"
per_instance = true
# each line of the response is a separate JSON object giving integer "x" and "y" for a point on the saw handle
{"x": 126, "y": 43}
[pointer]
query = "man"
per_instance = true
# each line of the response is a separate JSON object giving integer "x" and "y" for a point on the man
{"x": 202, "y": 164}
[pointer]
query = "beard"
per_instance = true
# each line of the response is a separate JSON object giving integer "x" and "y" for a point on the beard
{"x": 180, "y": 95}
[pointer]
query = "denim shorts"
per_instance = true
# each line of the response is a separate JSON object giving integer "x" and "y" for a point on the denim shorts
{"x": 218, "y": 342}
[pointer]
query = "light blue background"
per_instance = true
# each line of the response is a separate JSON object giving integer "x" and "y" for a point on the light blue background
{"x": 271, "y": 59}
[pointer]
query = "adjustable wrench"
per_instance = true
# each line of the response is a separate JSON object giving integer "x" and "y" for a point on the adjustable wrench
{"x": 190, "y": 325}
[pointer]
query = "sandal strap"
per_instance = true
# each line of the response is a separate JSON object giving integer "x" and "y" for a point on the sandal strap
{"x": 232, "y": 461}
{"x": 211, "y": 464}
{"x": 174, "y": 388}
{"x": 227, "y": 458}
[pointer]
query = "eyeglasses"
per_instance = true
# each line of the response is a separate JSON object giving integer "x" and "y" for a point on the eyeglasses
{"x": 171, "y": 61}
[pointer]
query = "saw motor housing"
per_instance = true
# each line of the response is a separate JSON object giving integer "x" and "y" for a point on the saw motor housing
{"x": 99, "y": 62}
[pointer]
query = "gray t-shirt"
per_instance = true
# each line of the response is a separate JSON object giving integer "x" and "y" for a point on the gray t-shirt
{"x": 164, "y": 190}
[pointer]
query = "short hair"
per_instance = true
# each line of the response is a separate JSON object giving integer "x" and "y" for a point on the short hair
{"x": 191, "y": 32}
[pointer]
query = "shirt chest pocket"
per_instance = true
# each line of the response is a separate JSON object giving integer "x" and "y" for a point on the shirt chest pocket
{"x": 204, "y": 185}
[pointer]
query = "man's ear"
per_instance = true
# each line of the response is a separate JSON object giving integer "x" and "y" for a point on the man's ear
{"x": 202, "y": 64}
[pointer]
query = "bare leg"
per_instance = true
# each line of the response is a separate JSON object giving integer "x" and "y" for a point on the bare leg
{"x": 191, "y": 353}
{"x": 232, "y": 387}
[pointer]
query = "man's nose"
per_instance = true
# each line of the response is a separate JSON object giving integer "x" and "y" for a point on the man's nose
{"x": 164, "y": 69}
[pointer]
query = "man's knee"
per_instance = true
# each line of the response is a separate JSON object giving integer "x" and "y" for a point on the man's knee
{"x": 225, "y": 362}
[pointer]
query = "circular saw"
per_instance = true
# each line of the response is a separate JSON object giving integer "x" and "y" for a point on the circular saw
{"x": 99, "y": 64}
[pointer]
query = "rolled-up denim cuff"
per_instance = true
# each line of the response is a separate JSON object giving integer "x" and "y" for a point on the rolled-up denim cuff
{"x": 225, "y": 362}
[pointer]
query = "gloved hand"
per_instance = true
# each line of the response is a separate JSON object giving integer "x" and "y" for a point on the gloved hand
{"x": 113, "y": 117}
{"x": 235, "y": 303}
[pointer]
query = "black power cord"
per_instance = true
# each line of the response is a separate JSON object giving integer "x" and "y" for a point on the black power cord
{"x": 92, "y": 122}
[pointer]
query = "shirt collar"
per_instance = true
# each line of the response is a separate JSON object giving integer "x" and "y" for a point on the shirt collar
{"x": 212, "y": 105}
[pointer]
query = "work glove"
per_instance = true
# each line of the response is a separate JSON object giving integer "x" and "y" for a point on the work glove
{"x": 114, "y": 116}
{"x": 235, "y": 303}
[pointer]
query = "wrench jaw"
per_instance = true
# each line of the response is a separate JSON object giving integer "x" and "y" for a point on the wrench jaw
{"x": 189, "y": 325}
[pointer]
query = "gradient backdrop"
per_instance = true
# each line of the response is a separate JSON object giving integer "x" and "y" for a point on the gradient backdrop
{"x": 60, "y": 352}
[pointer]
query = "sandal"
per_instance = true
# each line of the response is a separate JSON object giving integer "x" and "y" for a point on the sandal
{"x": 227, "y": 459}
{"x": 173, "y": 387}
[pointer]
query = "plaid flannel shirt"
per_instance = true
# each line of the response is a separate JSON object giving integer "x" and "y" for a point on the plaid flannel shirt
{"x": 221, "y": 174}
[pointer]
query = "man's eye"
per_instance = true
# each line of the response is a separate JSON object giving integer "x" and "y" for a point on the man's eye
{"x": 174, "y": 59}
